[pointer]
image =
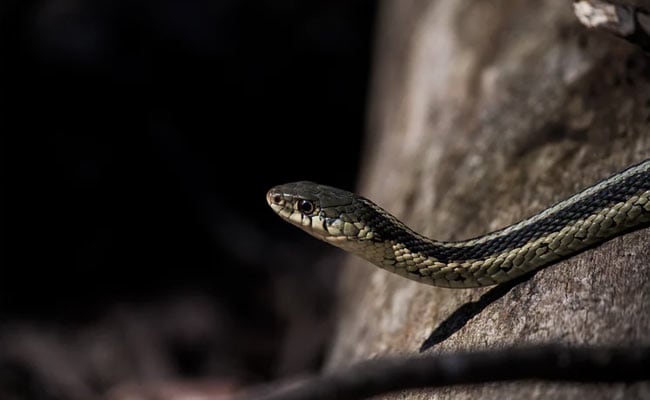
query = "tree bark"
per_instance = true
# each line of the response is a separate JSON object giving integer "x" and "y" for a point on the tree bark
{"x": 483, "y": 113}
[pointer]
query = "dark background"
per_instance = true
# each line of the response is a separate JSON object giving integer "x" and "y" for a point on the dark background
{"x": 139, "y": 139}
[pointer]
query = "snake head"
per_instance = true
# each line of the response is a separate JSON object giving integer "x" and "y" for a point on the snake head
{"x": 325, "y": 212}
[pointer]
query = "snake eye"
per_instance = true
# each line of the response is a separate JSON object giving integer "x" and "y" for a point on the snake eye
{"x": 277, "y": 198}
{"x": 306, "y": 207}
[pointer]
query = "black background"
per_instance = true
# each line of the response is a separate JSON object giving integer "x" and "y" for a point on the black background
{"x": 139, "y": 139}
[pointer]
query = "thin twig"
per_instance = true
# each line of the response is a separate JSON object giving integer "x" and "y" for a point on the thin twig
{"x": 545, "y": 363}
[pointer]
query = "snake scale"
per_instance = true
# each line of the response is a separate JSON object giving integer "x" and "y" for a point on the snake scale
{"x": 609, "y": 208}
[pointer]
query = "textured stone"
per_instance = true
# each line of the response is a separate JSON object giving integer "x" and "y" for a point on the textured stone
{"x": 483, "y": 113}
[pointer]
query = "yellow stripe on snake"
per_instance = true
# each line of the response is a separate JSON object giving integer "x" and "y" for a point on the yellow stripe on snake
{"x": 612, "y": 207}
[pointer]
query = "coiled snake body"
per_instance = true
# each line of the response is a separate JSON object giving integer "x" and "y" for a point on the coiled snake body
{"x": 614, "y": 206}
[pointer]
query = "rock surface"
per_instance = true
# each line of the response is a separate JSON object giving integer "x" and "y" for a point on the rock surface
{"x": 483, "y": 113}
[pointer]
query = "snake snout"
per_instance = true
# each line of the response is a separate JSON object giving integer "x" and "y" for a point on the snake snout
{"x": 274, "y": 197}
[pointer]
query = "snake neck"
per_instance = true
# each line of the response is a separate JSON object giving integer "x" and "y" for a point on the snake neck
{"x": 605, "y": 210}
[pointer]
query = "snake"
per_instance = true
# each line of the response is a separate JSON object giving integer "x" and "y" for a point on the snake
{"x": 607, "y": 209}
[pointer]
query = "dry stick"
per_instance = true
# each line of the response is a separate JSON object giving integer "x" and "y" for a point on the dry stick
{"x": 627, "y": 21}
{"x": 544, "y": 363}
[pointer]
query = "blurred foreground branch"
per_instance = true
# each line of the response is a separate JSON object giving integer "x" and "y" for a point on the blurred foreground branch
{"x": 546, "y": 363}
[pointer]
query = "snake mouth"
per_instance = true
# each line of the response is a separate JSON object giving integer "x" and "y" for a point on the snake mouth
{"x": 283, "y": 205}
{"x": 273, "y": 196}
{"x": 276, "y": 200}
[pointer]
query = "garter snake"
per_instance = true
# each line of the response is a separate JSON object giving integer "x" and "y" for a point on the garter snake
{"x": 607, "y": 209}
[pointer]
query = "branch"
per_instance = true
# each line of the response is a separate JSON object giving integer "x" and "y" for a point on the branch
{"x": 545, "y": 363}
{"x": 627, "y": 21}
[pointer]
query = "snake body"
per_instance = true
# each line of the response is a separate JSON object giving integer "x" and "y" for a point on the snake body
{"x": 607, "y": 209}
